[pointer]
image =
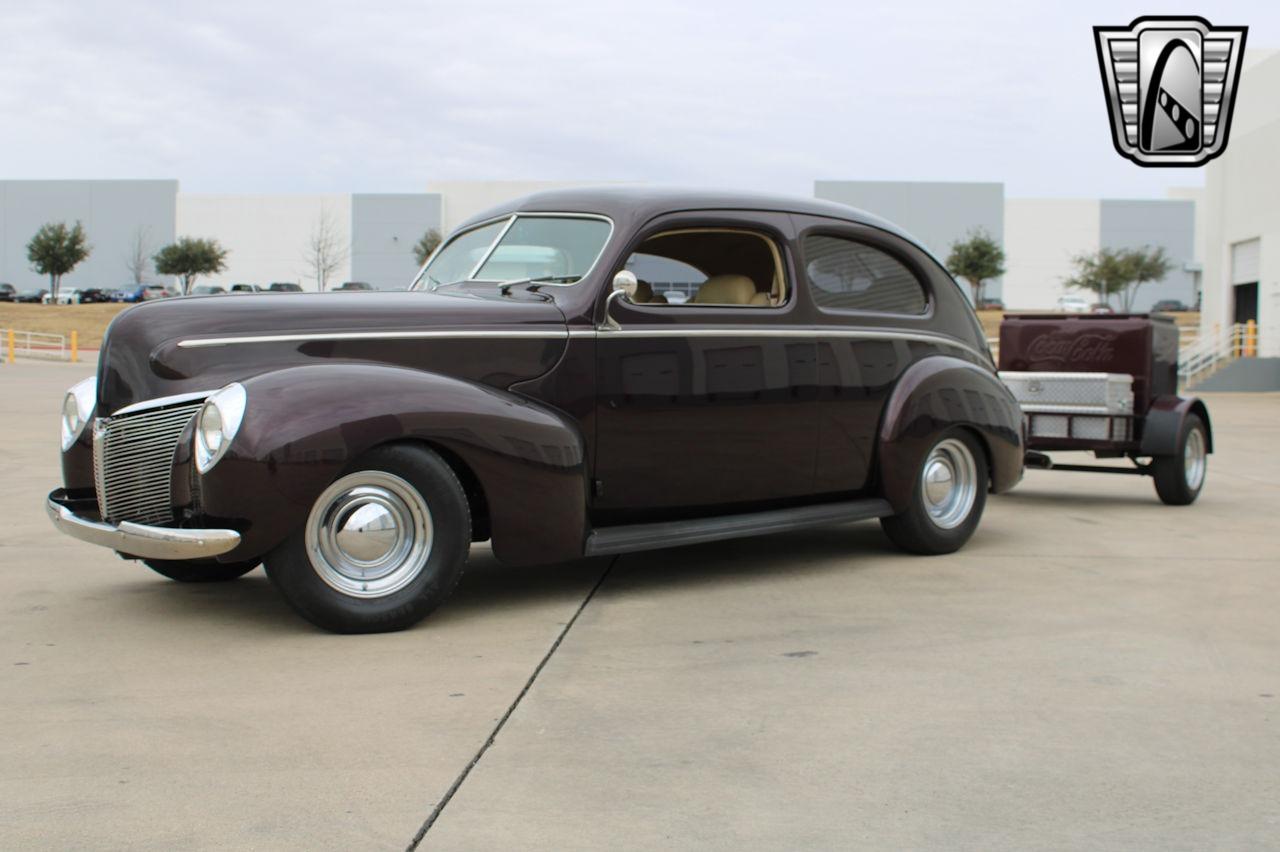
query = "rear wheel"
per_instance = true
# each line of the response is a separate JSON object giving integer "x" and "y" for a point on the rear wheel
{"x": 1180, "y": 477}
{"x": 199, "y": 572}
{"x": 382, "y": 547}
{"x": 947, "y": 501}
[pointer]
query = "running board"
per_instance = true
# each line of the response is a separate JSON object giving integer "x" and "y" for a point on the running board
{"x": 633, "y": 537}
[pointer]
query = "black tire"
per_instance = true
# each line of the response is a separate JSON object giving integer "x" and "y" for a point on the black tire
{"x": 324, "y": 592}
{"x": 915, "y": 529}
{"x": 200, "y": 572}
{"x": 1178, "y": 480}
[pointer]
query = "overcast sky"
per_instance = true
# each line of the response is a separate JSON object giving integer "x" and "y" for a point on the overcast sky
{"x": 306, "y": 96}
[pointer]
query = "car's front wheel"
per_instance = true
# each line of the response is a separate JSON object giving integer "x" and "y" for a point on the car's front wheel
{"x": 382, "y": 547}
{"x": 948, "y": 498}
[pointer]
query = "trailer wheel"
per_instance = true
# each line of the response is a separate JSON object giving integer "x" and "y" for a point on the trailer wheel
{"x": 947, "y": 501}
{"x": 1180, "y": 477}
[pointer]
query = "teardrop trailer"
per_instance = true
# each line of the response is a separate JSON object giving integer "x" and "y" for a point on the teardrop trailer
{"x": 1107, "y": 384}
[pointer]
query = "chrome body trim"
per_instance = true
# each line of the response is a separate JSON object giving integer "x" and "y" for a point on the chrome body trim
{"x": 446, "y": 334}
{"x": 162, "y": 401}
{"x": 632, "y": 331}
{"x": 141, "y": 540}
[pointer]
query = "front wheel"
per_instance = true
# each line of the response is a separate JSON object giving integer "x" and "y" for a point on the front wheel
{"x": 1180, "y": 477}
{"x": 382, "y": 547}
{"x": 199, "y": 572}
{"x": 948, "y": 498}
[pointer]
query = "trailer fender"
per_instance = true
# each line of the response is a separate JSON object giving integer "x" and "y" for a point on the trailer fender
{"x": 1162, "y": 426}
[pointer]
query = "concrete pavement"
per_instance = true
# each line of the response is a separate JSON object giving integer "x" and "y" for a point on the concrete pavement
{"x": 1094, "y": 669}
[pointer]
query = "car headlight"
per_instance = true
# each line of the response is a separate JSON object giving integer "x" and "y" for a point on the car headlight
{"x": 77, "y": 405}
{"x": 217, "y": 424}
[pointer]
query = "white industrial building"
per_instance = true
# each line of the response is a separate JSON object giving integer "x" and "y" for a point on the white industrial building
{"x": 1241, "y": 210}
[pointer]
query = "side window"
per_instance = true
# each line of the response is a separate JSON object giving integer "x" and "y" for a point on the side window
{"x": 709, "y": 266}
{"x": 848, "y": 275}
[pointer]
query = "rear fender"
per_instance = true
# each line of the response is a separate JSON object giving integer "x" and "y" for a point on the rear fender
{"x": 933, "y": 395}
{"x": 1163, "y": 424}
{"x": 304, "y": 426}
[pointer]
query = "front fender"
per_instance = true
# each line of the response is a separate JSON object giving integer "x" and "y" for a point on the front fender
{"x": 1162, "y": 425}
{"x": 303, "y": 426}
{"x": 933, "y": 395}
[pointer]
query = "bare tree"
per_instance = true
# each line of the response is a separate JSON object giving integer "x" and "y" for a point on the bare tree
{"x": 138, "y": 261}
{"x": 326, "y": 249}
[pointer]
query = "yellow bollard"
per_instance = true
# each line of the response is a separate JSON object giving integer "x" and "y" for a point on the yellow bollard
{"x": 75, "y": 346}
{"x": 1251, "y": 338}
{"x": 10, "y": 346}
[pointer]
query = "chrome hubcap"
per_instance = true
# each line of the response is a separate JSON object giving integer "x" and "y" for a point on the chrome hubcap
{"x": 369, "y": 534}
{"x": 1194, "y": 459}
{"x": 949, "y": 483}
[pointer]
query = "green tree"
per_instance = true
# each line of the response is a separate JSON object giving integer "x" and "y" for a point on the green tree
{"x": 1118, "y": 272}
{"x": 423, "y": 248}
{"x": 1145, "y": 264}
{"x": 189, "y": 258}
{"x": 55, "y": 250}
{"x": 977, "y": 259}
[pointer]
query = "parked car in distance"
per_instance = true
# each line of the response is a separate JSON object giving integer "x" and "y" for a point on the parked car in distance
{"x": 675, "y": 297}
{"x": 94, "y": 295}
{"x": 31, "y": 296}
{"x": 66, "y": 296}
{"x": 245, "y": 288}
{"x": 990, "y": 305}
{"x": 1169, "y": 306}
{"x": 348, "y": 286}
{"x": 1073, "y": 304}
{"x": 207, "y": 290}
{"x": 7, "y": 292}
{"x": 529, "y": 392}
{"x": 1101, "y": 308}
{"x": 284, "y": 287}
{"x": 128, "y": 293}
{"x": 151, "y": 292}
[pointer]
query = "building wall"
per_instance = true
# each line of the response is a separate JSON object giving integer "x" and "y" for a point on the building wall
{"x": 266, "y": 236}
{"x": 1041, "y": 237}
{"x": 384, "y": 230}
{"x": 1242, "y": 188}
{"x": 1157, "y": 223}
{"x": 935, "y": 213}
{"x": 463, "y": 199}
{"x": 114, "y": 213}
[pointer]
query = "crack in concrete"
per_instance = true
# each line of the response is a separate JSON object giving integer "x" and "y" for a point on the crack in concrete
{"x": 493, "y": 735}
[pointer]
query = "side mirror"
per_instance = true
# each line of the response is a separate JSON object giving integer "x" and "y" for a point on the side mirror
{"x": 625, "y": 284}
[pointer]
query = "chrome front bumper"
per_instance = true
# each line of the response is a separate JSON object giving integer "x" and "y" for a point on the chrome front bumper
{"x": 139, "y": 539}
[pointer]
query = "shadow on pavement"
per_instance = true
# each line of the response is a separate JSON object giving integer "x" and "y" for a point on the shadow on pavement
{"x": 250, "y": 603}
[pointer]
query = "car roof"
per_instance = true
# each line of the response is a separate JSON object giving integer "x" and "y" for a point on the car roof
{"x": 639, "y": 204}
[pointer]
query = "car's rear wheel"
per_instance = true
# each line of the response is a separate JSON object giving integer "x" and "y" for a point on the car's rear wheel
{"x": 1180, "y": 477}
{"x": 382, "y": 547}
{"x": 947, "y": 500}
{"x": 200, "y": 572}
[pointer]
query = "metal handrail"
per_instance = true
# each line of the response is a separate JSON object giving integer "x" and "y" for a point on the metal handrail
{"x": 33, "y": 344}
{"x": 1214, "y": 349}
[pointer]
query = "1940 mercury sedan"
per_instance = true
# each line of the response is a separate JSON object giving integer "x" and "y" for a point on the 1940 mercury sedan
{"x": 575, "y": 373}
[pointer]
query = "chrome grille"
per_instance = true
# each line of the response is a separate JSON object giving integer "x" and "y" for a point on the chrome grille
{"x": 133, "y": 460}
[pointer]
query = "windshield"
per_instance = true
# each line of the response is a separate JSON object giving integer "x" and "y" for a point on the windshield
{"x": 554, "y": 249}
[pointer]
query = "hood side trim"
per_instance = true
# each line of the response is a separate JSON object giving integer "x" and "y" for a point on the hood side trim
{"x": 452, "y": 334}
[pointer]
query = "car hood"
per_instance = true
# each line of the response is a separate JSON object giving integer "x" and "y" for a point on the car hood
{"x": 200, "y": 343}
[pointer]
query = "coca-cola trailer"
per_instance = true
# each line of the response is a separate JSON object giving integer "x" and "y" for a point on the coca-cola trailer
{"x": 1107, "y": 384}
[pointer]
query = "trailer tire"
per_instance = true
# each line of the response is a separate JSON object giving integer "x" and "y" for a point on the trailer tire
{"x": 1180, "y": 477}
{"x": 947, "y": 500}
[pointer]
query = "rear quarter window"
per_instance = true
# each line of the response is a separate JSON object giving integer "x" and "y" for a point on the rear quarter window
{"x": 848, "y": 275}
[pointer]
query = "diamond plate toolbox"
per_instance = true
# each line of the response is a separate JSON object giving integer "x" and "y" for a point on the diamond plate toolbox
{"x": 1099, "y": 393}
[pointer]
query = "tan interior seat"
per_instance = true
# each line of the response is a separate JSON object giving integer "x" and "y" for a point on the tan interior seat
{"x": 643, "y": 293}
{"x": 728, "y": 290}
